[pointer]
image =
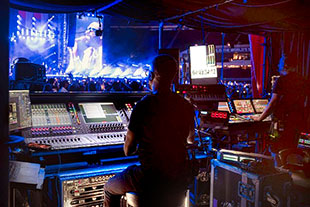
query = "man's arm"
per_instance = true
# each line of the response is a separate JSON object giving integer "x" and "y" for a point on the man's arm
{"x": 191, "y": 136}
{"x": 269, "y": 109}
{"x": 130, "y": 145}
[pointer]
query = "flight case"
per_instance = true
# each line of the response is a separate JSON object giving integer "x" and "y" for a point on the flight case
{"x": 232, "y": 186}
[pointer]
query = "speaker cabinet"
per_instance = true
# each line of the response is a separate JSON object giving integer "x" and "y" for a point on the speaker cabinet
{"x": 29, "y": 72}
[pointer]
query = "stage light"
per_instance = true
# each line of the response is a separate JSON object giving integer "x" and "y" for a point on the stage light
{"x": 18, "y": 27}
{"x": 23, "y": 31}
{"x": 19, "y": 17}
{"x": 27, "y": 32}
{"x": 19, "y": 22}
{"x": 50, "y": 19}
{"x": 34, "y": 19}
{"x": 33, "y": 24}
{"x": 18, "y": 33}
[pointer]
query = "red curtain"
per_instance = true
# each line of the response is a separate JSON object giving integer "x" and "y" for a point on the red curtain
{"x": 258, "y": 73}
{"x": 296, "y": 47}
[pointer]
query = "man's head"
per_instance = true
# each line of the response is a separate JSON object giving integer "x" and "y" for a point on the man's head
{"x": 92, "y": 27}
{"x": 164, "y": 71}
{"x": 285, "y": 66}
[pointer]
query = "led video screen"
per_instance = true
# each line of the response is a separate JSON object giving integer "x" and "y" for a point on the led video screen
{"x": 81, "y": 45}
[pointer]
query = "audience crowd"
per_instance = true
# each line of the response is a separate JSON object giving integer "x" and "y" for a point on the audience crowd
{"x": 234, "y": 90}
{"x": 64, "y": 84}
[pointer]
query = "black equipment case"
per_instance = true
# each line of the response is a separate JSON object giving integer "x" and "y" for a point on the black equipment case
{"x": 234, "y": 186}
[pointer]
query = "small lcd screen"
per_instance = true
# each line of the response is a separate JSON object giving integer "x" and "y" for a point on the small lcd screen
{"x": 260, "y": 105}
{"x": 19, "y": 110}
{"x": 243, "y": 106}
{"x": 13, "y": 113}
{"x": 99, "y": 112}
{"x": 304, "y": 140}
{"x": 223, "y": 106}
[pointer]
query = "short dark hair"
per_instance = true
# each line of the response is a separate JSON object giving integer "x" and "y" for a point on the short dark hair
{"x": 165, "y": 66}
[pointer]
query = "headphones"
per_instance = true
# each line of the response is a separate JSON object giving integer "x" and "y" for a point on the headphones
{"x": 151, "y": 75}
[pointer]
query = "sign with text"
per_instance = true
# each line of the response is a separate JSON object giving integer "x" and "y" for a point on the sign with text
{"x": 203, "y": 64}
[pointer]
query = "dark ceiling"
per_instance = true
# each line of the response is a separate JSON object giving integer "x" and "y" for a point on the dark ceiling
{"x": 248, "y": 16}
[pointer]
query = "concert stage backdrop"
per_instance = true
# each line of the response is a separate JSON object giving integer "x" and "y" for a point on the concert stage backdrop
{"x": 80, "y": 44}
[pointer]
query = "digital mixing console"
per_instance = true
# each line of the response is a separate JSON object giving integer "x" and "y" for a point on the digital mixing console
{"x": 61, "y": 127}
{"x": 78, "y": 124}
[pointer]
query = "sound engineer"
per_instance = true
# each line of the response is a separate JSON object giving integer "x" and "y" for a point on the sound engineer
{"x": 161, "y": 125}
{"x": 287, "y": 107}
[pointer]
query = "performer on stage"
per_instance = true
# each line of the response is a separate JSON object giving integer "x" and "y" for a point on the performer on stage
{"x": 86, "y": 54}
{"x": 287, "y": 107}
{"x": 161, "y": 125}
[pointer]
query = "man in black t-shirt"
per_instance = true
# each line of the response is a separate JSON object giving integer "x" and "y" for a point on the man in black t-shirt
{"x": 287, "y": 107}
{"x": 161, "y": 125}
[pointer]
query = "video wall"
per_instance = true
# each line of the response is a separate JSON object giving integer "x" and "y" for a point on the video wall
{"x": 35, "y": 37}
{"x": 82, "y": 45}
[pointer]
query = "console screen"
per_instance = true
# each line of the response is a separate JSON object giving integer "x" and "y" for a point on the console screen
{"x": 19, "y": 109}
{"x": 260, "y": 105}
{"x": 243, "y": 106}
{"x": 223, "y": 106}
{"x": 99, "y": 112}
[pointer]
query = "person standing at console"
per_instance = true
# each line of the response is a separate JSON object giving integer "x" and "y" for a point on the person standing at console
{"x": 287, "y": 107}
{"x": 161, "y": 124}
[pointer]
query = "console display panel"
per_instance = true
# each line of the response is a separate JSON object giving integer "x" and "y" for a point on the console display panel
{"x": 243, "y": 106}
{"x": 99, "y": 112}
{"x": 50, "y": 115}
{"x": 223, "y": 106}
{"x": 260, "y": 105}
{"x": 304, "y": 140}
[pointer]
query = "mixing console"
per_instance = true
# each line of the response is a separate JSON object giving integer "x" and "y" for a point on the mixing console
{"x": 77, "y": 125}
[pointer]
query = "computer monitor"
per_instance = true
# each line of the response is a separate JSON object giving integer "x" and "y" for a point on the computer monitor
{"x": 223, "y": 106}
{"x": 99, "y": 113}
{"x": 243, "y": 106}
{"x": 260, "y": 105}
{"x": 304, "y": 140}
{"x": 19, "y": 110}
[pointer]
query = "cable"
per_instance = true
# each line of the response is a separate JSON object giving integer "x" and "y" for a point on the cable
{"x": 264, "y": 5}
